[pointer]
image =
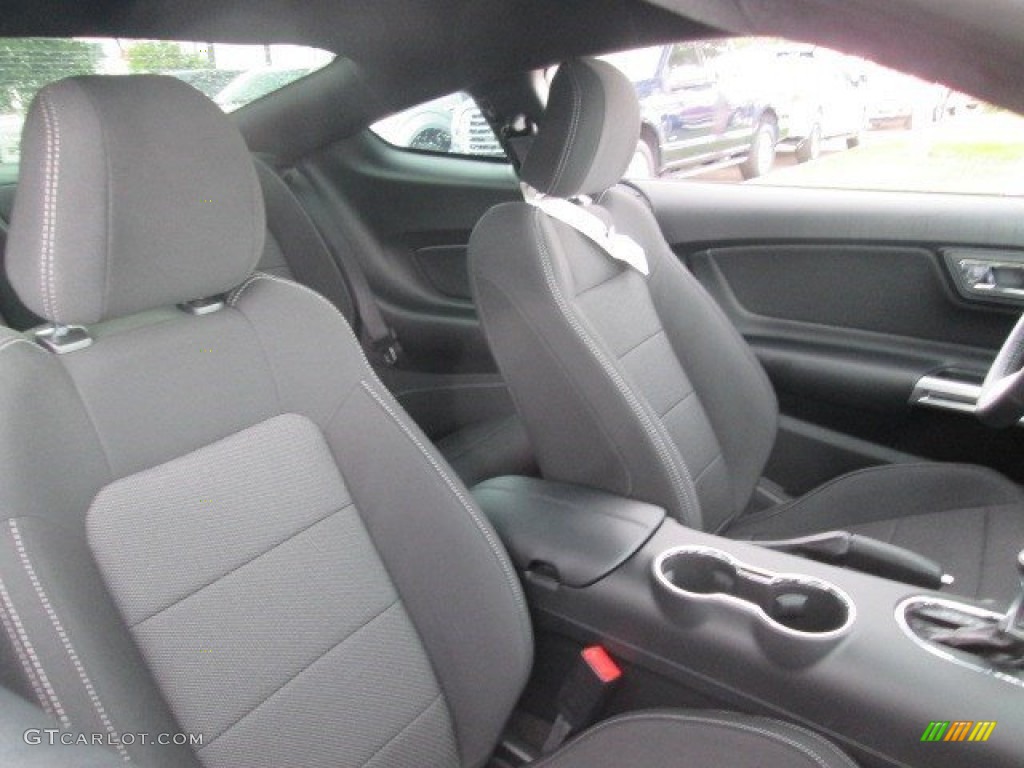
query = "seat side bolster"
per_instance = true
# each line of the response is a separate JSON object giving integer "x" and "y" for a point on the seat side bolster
{"x": 580, "y": 419}
{"x": 80, "y": 661}
{"x": 733, "y": 388}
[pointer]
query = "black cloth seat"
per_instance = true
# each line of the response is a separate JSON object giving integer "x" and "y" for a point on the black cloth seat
{"x": 488, "y": 448}
{"x": 641, "y": 386}
{"x": 219, "y": 522}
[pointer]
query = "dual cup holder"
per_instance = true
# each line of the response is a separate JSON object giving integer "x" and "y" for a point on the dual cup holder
{"x": 795, "y": 619}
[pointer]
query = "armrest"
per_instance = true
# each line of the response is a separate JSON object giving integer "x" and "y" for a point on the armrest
{"x": 576, "y": 535}
{"x": 25, "y": 743}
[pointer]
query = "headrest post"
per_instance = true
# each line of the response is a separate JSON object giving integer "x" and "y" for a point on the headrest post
{"x": 62, "y": 339}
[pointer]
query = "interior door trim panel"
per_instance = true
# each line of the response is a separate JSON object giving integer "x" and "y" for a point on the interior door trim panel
{"x": 697, "y": 212}
{"x": 849, "y": 299}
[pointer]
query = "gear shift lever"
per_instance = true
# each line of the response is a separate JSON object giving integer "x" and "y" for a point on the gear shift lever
{"x": 1002, "y": 641}
{"x": 1014, "y": 618}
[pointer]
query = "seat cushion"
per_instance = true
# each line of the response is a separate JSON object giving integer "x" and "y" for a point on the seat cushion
{"x": 660, "y": 739}
{"x": 968, "y": 519}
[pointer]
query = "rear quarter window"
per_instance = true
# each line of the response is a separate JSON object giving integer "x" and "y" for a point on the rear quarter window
{"x": 231, "y": 75}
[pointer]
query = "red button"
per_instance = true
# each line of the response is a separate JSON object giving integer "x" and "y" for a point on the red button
{"x": 601, "y": 664}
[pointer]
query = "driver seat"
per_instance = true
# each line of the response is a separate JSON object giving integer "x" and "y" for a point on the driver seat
{"x": 216, "y": 521}
{"x": 641, "y": 386}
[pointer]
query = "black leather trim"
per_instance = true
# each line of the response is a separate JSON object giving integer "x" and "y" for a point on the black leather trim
{"x": 579, "y": 533}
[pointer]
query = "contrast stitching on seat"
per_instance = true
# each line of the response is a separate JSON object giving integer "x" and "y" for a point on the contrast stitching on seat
{"x": 748, "y": 727}
{"x": 17, "y": 340}
{"x": 29, "y": 658}
{"x": 19, "y": 545}
{"x": 700, "y": 475}
{"x": 51, "y": 181}
{"x": 479, "y": 440}
{"x": 496, "y": 550}
{"x": 403, "y": 729}
{"x": 640, "y": 343}
{"x": 774, "y": 512}
{"x": 561, "y": 367}
{"x": 685, "y": 491}
{"x": 238, "y": 567}
{"x": 236, "y": 294}
{"x": 622, "y": 271}
{"x": 305, "y": 667}
{"x": 266, "y": 360}
{"x": 577, "y": 103}
{"x": 811, "y": 734}
{"x": 676, "y": 404}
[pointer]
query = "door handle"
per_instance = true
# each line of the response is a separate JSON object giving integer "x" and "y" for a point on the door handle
{"x": 996, "y": 275}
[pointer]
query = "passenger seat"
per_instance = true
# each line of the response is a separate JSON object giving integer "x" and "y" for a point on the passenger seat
{"x": 295, "y": 250}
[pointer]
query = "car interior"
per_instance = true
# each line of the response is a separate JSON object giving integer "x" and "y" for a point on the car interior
{"x": 318, "y": 450}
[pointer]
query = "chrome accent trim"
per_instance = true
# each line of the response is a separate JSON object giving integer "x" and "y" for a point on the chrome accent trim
{"x": 61, "y": 339}
{"x": 941, "y": 602}
{"x": 769, "y": 578}
{"x": 201, "y": 307}
{"x": 973, "y": 273}
{"x": 947, "y": 394}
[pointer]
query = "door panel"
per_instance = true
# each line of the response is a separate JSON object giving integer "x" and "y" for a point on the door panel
{"x": 848, "y": 300}
{"x": 416, "y": 211}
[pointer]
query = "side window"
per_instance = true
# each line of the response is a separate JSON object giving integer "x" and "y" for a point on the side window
{"x": 452, "y": 124}
{"x": 779, "y": 113}
{"x": 229, "y": 74}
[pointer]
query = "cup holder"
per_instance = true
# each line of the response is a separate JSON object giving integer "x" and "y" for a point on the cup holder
{"x": 796, "y": 619}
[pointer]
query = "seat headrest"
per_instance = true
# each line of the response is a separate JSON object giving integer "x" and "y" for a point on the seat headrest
{"x": 135, "y": 192}
{"x": 588, "y": 134}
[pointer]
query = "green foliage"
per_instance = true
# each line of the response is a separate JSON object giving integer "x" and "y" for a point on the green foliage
{"x": 161, "y": 56}
{"x": 27, "y": 64}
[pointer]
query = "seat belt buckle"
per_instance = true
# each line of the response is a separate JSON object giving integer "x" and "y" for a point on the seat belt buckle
{"x": 388, "y": 350}
{"x": 584, "y": 693}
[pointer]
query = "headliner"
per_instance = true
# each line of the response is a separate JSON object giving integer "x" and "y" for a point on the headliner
{"x": 400, "y": 52}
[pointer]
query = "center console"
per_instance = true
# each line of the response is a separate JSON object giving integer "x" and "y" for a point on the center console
{"x": 861, "y": 659}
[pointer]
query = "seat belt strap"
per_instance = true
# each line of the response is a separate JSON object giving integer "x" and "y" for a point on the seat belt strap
{"x": 378, "y": 338}
{"x": 620, "y": 247}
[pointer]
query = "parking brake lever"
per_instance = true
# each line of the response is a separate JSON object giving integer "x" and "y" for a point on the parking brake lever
{"x": 863, "y": 553}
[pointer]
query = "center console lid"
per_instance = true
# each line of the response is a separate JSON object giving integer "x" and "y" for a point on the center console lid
{"x": 571, "y": 534}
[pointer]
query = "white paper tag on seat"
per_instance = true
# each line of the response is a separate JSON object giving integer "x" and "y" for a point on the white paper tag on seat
{"x": 620, "y": 247}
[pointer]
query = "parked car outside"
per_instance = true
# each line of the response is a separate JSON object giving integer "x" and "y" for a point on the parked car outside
{"x": 895, "y": 99}
{"x": 425, "y": 127}
{"x": 700, "y": 107}
{"x": 824, "y": 92}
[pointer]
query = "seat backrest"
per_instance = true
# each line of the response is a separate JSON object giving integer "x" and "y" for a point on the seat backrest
{"x": 216, "y": 520}
{"x": 637, "y": 385}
